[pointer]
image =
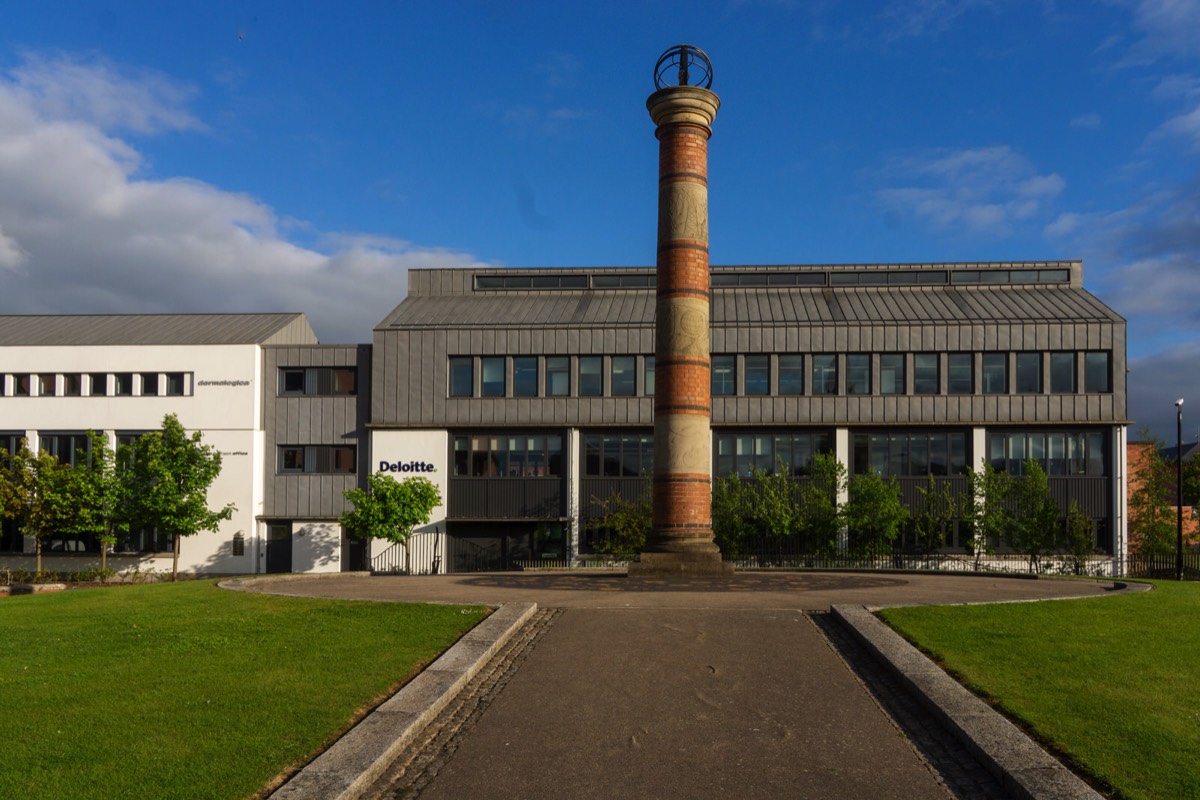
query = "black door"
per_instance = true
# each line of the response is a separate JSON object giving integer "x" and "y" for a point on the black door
{"x": 279, "y": 547}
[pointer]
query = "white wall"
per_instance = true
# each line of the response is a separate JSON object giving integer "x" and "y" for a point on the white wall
{"x": 223, "y": 402}
{"x": 420, "y": 448}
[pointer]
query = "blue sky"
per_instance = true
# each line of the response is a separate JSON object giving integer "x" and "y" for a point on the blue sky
{"x": 290, "y": 156}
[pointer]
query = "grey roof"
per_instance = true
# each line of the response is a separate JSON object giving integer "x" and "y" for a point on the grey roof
{"x": 759, "y": 306}
{"x": 155, "y": 329}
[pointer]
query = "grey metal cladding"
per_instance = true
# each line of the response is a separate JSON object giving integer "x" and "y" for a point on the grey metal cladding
{"x": 876, "y": 318}
{"x": 313, "y": 420}
{"x": 155, "y": 329}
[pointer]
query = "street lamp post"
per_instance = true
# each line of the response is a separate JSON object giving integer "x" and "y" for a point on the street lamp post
{"x": 1179, "y": 488}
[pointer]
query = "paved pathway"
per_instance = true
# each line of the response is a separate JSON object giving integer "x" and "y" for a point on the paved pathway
{"x": 683, "y": 689}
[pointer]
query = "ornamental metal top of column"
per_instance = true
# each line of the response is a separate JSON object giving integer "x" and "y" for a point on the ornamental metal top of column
{"x": 689, "y": 61}
{"x": 683, "y": 93}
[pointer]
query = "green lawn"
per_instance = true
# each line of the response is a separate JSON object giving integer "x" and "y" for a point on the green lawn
{"x": 1113, "y": 682}
{"x": 186, "y": 690}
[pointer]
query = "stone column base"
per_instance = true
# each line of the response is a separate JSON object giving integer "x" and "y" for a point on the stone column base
{"x": 681, "y": 565}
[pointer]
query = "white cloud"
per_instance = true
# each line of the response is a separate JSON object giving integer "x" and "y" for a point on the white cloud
{"x": 977, "y": 191}
{"x": 912, "y": 18}
{"x": 1091, "y": 120}
{"x": 80, "y": 231}
{"x": 1168, "y": 26}
{"x": 96, "y": 92}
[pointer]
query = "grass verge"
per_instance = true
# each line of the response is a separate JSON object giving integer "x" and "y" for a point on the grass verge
{"x": 190, "y": 691}
{"x": 1112, "y": 683}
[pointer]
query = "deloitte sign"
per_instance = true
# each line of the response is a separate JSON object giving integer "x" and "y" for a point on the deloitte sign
{"x": 406, "y": 466}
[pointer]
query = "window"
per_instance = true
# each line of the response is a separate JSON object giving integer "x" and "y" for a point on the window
{"x": 891, "y": 373}
{"x": 995, "y": 373}
{"x": 724, "y": 375}
{"x": 591, "y": 377}
{"x": 825, "y": 377}
{"x": 623, "y": 381}
{"x": 858, "y": 373}
{"x": 1029, "y": 373}
{"x": 960, "y": 373}
{"x": 150, "y": 384}
{"x": 46, "y": 385}
{"x": 145, "y": 540}
{"x": 910, "y": 453}
{"x": 791, "y": 374}
{"x": 123, "y": 384}
{"x": 1062, "y": 373}
{"x": 758, "y": 374}
{"x": 925, "y": 373}
{"x": 558, "y": 376}
{"x": 462, "y": 376}
{"x": 72, "y": 384}
{"x": 318, "y": 380}
{"x": 509, "y": 456}
{"x": 1097, "y": 372}
{"x": 1061, "y": 453}
{"x": 98, "y": 383}
{"x": 618, "y": 455}
{"x": 648, "y": 361}
{"x": 491, "y": 370}
{"x": 765, "y": 451}
{"x": 68, "y": 448}
{"x": 175, "y": 384}
{"x": 318, "y": 458}
{"x": 525, "y": 376}
{"x": 21, "y": 385}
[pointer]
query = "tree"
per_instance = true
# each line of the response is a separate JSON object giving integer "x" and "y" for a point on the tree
{"x": 874, "y": 513}
{"x": 731, "y": 514}
{"x": 98, "y": 494}
{"x": 1035, "y": 521}
{"x": 390, "y": 509}
{"x": 933, "y": 518}
{"x": 168, "y": 479}
{"x": 985, "y": 510}
{"x": 1191, "y": 482}
{"x": 820, "y": 520}
{"x": 624, "y": 524}
{"x": 1152, "y": 521}
{"x": 760, "y": 507}
{"x": 35, "y": 492}
{"x": 1080, "y": 539}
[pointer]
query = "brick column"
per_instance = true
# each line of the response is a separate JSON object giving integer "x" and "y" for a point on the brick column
{"x": 681, "y": 542}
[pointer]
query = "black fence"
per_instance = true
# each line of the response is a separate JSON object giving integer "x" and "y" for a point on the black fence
{"x": 1163, "y": 567}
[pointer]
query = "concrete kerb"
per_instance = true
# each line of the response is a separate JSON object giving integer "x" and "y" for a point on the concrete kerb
{"x": 1025, "y": 769}
{"x": 361, "y": 755}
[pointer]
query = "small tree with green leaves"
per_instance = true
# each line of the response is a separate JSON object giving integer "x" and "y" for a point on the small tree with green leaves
{"x": 624, "y": 525}
{"x": 1080, "y": 539}
{"x": 985, "y": 509}
{"x": 1035, "y": 523}
{"x": 389, "y": 509}
{"x": 35, "y": 492}
{"x": 749, "y": 512}
{"x": 733, "y": 526}
{"x": 168, "y": 479}
{"x": 820, "y": 520}
{"x": 874, "y": 513}
{"x": 934, "y": 515}
{"x": 1152, "y": 521}
{"x": 99, "y": 495}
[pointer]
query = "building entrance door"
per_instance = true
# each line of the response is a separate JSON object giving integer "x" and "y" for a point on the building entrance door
{"x": 279, "y": 547}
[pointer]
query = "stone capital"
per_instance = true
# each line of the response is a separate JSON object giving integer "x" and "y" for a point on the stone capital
{"x": 676, "y": 105}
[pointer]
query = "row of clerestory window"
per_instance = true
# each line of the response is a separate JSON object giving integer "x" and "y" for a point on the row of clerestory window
{"x": 95, "y": 384}
{"x": 791, "y": 374}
